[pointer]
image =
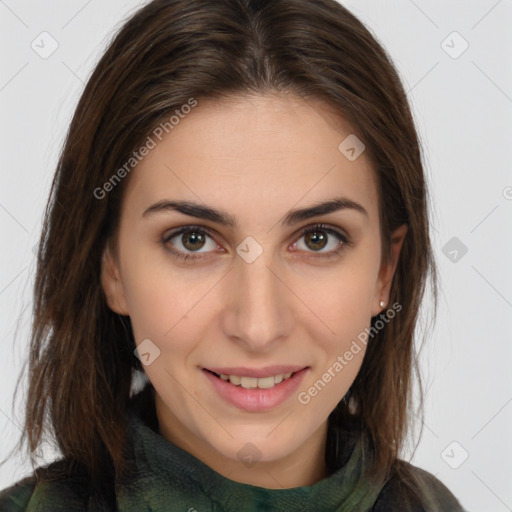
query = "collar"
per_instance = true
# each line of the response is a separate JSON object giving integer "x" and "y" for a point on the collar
{"x": 166, "y": 475}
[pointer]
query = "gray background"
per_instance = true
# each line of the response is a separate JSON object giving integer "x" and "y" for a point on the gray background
{"x": 462, "y": 103}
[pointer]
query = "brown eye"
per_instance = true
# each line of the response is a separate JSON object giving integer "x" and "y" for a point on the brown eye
{"x": 316, "y": 240}
{"x": 192, "y": 240}
{"x": 319, "y": 237}
{"x": 189, "y": 242}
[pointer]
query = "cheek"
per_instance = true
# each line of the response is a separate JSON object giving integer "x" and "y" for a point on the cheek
{"x": 149, "y": 288}
{"x": 147, "y": 303}
{"x": 338, "y": 336}
{"x": 165, "y": 306}
{"x": 343, "y": 305}
{"x": 150, "y": 298}
{"x": 342, "y": 299}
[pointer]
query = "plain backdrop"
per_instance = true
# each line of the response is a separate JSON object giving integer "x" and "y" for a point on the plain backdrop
{"x": 454, "y": 58}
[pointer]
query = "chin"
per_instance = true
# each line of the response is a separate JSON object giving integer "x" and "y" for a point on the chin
{"x": 255, "y": 442}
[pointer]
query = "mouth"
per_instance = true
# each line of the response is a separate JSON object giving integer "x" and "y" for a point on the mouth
{"x": 253, "y": 382}
{"x": 255, "y": 390}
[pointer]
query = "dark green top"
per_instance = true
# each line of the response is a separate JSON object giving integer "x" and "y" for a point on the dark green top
{"x": 168, "y": 478}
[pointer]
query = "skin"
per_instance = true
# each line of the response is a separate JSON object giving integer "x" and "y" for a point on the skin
{"x": 255, "y": 157}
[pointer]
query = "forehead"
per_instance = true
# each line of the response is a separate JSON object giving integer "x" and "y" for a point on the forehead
{"x": 254, "y": 152}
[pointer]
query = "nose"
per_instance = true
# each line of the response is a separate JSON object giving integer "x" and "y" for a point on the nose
{"x": 259, "y": 304}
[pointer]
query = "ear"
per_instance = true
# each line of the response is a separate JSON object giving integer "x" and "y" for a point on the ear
{"x": 387, "y": 270}
{"x": 112, "y": 283}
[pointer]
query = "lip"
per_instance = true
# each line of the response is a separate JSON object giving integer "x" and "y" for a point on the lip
{"x": 256, "y": 400}
{"x": 259, "y": 373}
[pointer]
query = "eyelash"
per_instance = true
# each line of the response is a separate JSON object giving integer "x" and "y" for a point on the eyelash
{"x": 198, "y": 229}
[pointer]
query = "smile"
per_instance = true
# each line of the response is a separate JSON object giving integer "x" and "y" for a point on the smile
{"x": 259, "y": 392}
{"x": 253, "y": 382}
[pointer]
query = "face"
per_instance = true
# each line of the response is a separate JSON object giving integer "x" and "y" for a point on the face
{"x": 229, "y": 296}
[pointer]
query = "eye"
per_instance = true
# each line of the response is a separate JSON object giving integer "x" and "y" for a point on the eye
{"x": 319, "y": 237}
{"x": 195, "y": 242}
{"x": 189, "y": 238}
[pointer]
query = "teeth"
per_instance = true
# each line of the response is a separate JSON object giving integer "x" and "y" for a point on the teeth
{"x": 234, "y": 379}
{"x": 249, "y": 382}
{"x": 253, "y": 382}
{"x": 265, "y": 383}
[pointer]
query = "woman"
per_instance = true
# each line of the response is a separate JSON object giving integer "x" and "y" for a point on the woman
{"x": 239, "y": 213}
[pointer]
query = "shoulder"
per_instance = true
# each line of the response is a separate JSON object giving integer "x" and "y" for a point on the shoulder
{"x": 47, "y": 489}
{"x": 17, "y": 496}
{"x": 416, "y": 490}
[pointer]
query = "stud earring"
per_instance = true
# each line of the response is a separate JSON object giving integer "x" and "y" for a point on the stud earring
{"x": 382, "y": 303}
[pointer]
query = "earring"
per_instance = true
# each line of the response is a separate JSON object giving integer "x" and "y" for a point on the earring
{"x": 382, "y": 303}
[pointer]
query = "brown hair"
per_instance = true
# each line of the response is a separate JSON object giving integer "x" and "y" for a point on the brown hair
{"x": 81, "y": 354}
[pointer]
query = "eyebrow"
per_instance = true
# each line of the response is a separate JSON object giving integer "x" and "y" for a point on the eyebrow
{"x": 201, "y": 211}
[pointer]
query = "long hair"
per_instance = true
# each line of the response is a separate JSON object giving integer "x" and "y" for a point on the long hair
{"x": 81, "y": 362}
